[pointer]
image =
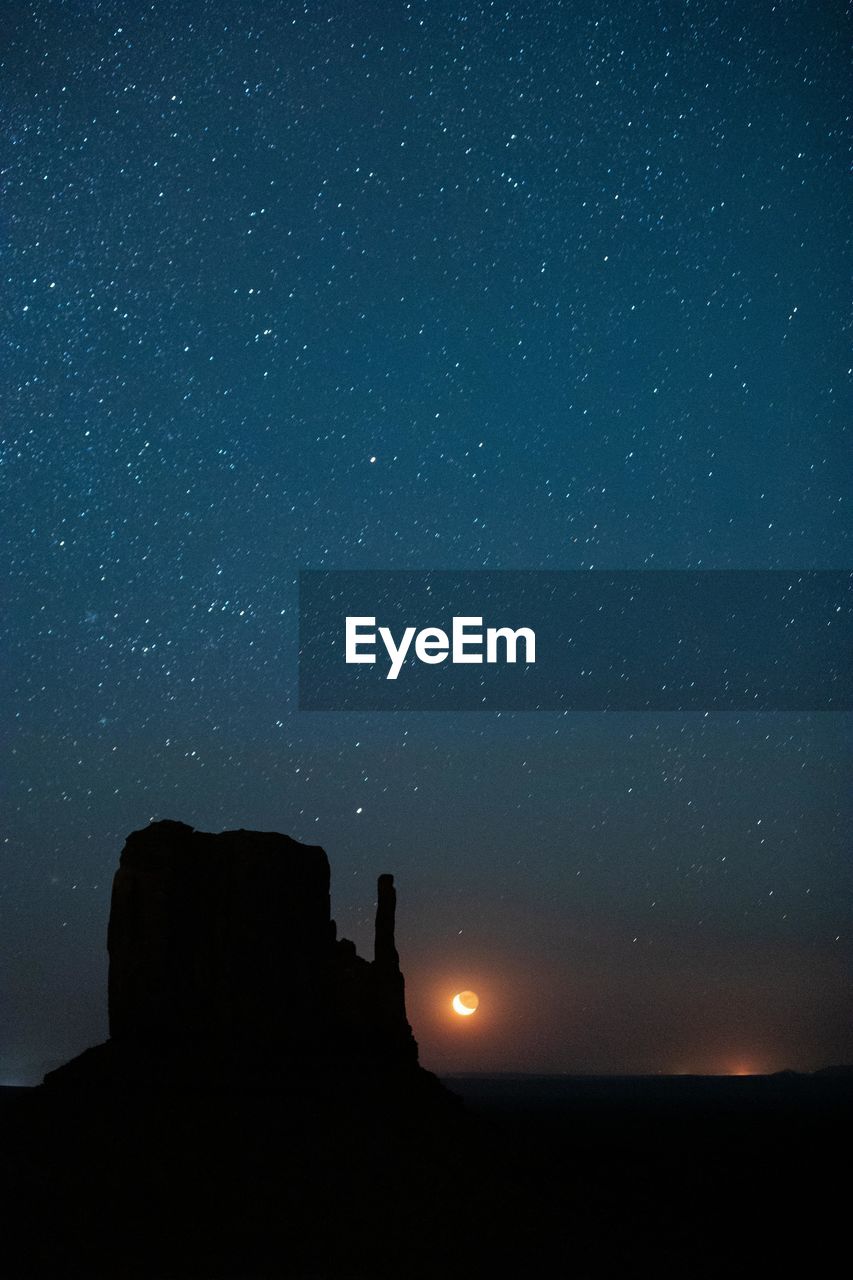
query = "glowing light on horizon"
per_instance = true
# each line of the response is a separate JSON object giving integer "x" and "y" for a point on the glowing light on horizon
{"x": 466, "y": 1003}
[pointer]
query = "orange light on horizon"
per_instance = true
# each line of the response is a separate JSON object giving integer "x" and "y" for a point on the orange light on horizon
{"x": 743, "y": 1068}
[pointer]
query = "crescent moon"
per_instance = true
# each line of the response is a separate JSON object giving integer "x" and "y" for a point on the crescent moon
{"x": 466, "y": 1003}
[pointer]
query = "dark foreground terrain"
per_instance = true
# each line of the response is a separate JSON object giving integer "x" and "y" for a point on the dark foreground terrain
{"x": 534, "y": 1176}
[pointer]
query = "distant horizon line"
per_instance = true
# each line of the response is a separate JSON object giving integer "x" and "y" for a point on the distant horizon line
{"x": 840, "y": 1067}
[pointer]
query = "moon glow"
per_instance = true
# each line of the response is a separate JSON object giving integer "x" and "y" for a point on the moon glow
{"x": 466, "y": 1003}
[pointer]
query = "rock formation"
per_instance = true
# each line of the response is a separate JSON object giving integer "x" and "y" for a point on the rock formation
{"x": 225, "y": 964}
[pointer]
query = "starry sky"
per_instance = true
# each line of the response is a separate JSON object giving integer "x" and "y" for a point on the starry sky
{"x": 426, "y": 285}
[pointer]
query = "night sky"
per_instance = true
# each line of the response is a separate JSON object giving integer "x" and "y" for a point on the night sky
{"x": 433, "y": 285}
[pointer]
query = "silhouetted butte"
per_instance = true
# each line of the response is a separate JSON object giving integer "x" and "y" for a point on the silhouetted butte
{"x": 225, "y": 968}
